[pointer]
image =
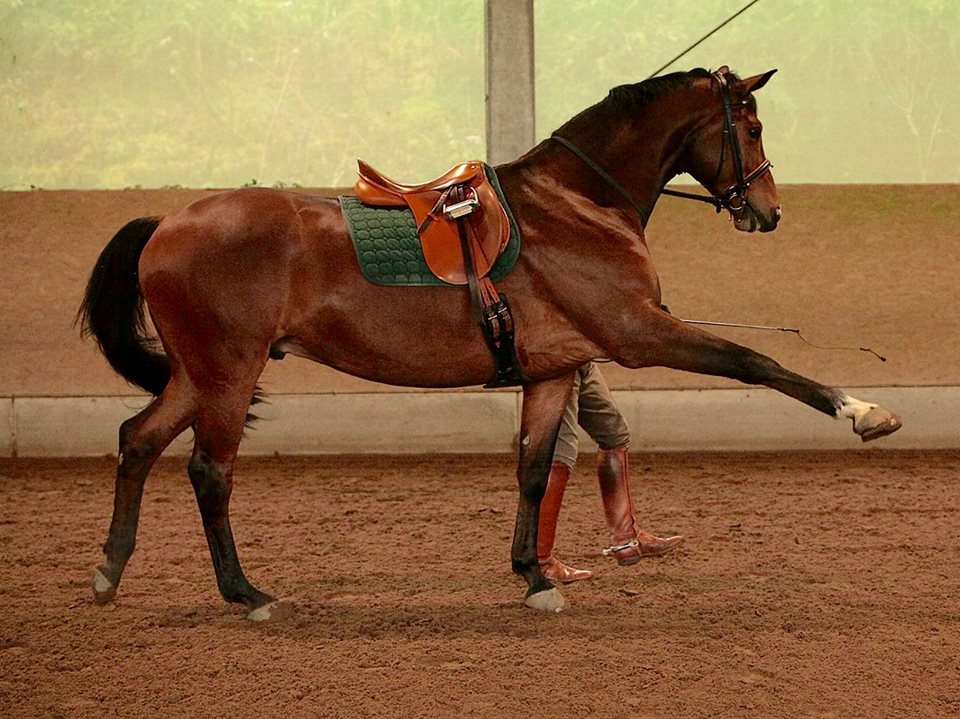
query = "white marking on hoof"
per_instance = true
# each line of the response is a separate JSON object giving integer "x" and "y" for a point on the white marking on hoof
{"x": 870, "y": 421}
{"x": 103, "y": 589}
{"x": 274, "y": 610}
{"x": 852, "y": 408}
{"x": 550, "y": 600}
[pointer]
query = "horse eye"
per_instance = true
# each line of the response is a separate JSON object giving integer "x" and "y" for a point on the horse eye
{"x": 754, "y": 132}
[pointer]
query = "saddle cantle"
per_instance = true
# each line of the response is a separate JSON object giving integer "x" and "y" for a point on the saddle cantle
{"x": 464, "y": 195}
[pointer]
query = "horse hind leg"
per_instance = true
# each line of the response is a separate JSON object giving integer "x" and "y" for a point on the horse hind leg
{"x": 142, "y": 439}
{"x": 218, "y": 431}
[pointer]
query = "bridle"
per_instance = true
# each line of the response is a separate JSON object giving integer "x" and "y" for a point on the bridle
{"x": 732, "y": 199}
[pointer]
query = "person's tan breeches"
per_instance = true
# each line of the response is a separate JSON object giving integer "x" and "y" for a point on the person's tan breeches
{"x": 591, "y": 406}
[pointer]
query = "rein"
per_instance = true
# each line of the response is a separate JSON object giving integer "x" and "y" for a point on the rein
{"x": 732, "y": 199}
{"x": 606, "y": 176}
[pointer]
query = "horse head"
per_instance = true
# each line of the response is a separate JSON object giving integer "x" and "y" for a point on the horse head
{"x": 725, "y": 152}
{"x": 702, "y": 123}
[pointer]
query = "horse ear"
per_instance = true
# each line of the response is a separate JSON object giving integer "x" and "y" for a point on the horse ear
{"x": 752, "y": 84}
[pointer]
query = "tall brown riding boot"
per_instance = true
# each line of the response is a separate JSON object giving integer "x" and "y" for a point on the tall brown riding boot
{"x": 630, "y": 544}
{"x": 553, "y": 568}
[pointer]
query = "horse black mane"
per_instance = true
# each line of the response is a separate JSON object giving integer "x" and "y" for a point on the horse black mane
{"x": 638, "y": 95}
{"x": 632, "y": 98}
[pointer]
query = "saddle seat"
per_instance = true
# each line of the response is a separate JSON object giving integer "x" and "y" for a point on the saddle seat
{"x": 485, "y": 221}
{"x": 464, "y": 172}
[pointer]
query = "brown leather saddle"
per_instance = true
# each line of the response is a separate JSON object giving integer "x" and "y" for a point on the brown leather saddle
{"x": 462, "y": 196}
{"x": 463, "y": 229}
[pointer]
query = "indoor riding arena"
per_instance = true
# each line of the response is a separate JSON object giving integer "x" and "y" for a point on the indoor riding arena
{"x": 379, "y": 522}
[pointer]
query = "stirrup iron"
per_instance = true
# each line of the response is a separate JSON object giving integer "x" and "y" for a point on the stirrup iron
{"x": 462, "y": 208}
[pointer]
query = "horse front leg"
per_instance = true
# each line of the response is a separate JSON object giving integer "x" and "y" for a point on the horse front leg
{"x": 667, "y": 341}
{"x": 543, "y": 405}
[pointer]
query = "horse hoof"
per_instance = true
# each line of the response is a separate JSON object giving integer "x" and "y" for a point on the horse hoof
{"x": 271, "y": 612}
{"x": 549, "y": 600}
{"x": 103, "y": 589}
{"x": 878, "y": 422}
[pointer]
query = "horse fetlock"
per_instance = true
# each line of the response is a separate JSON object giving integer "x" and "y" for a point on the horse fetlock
{"x": 240, "y": 591}
{"x": 852, "y": 408}
{"x": 524, "y": 567}
{"x": 118, "y": 549}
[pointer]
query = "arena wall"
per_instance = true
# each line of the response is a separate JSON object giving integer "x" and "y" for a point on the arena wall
{"x": 851, "y": 265}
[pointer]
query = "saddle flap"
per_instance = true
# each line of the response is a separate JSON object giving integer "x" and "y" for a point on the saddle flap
{"x": 488, "y": 231}
{"x": 488, "y": 227}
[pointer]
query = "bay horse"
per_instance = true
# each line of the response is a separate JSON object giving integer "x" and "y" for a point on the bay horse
{"x": 235, "y": 278}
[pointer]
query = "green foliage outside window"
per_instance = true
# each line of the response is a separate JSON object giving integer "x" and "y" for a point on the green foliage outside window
{"x": 218, "y": 93}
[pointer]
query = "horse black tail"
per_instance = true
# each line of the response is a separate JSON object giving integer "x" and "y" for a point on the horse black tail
{"x": 112, "y": 309}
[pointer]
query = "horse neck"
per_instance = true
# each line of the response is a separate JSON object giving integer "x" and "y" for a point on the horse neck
{"x": 641, "y": 152}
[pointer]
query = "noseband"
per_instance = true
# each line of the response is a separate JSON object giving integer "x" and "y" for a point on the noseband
{"x": 732, "y": 199}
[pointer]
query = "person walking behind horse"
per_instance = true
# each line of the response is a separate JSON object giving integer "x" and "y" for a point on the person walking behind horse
{"x": 591, "y": 405}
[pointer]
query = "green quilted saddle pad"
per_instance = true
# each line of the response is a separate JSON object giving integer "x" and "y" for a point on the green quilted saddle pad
{"x": 389, "y": 250}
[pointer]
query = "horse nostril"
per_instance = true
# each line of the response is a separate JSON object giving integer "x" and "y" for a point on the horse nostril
{"x": 777, "y": 215}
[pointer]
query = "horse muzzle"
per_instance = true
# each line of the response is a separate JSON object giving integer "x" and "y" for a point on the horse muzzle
{"x": 747, "y": 219}
{"x": 769, "y": 223}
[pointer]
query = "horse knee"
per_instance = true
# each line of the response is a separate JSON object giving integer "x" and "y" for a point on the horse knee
{"x": 209, "y": 484}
